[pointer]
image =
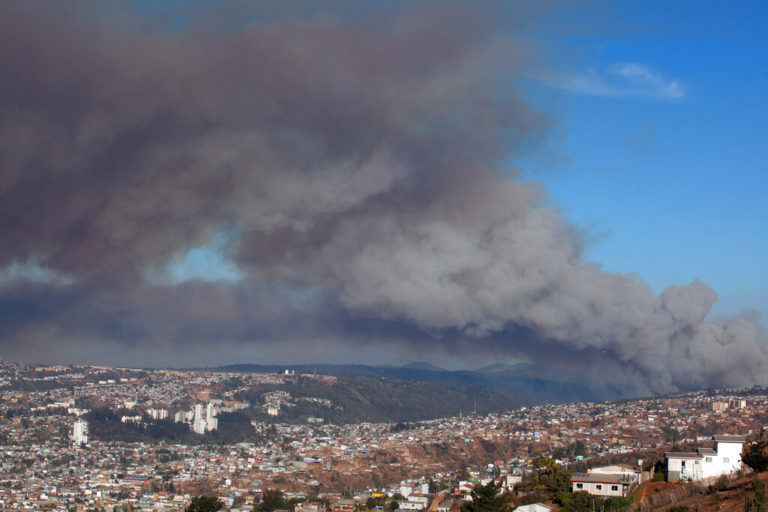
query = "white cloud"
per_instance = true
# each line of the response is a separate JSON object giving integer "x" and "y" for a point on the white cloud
{"x": 618, "y": 80}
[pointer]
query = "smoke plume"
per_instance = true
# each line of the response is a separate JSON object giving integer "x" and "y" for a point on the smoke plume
{"x": 359, "y": 174}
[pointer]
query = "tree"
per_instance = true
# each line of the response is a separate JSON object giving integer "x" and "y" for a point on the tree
{"x": 204, "y": 504}
{"x": 272, "y": 500}
{"x": 756, "y": 455}
{"x": 391, "y": 505}
{"x": 486, "y": 498}
{"x": 758, "y": 503}
{"x": 616, "y": 504}
{"x": 549, "y": 478}
{"x": 582, "y": 501}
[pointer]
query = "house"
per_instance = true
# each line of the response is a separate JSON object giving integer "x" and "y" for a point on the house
{"x": 466, "y": 487}
{"x": 603, "y": 484}
{"x": 419, "y": 498}
{"x": 510, "y": 480}
{"x": 704, "y": 463}
{"x": 445, "y": 505}
{"x": 344, "y": 505}
{"x": 684, "y": 466}
{"x": 411, "y": 505}
{"x": 614, "y": 480}
{"x": 309, "y": 506}
{"x": 414, "y": 502}
{"x": 533, "y": 507}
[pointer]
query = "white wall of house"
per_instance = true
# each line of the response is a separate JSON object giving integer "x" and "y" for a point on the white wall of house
{"x": 411, "y": 505}
{"x": 727, "y": 460}
{"x": 511, "y": 480}
{"x": 685, "y": 468}
{"x": 601, "y": 489}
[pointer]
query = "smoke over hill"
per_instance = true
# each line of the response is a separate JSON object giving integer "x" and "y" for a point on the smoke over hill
{"x": 356, "y": 178}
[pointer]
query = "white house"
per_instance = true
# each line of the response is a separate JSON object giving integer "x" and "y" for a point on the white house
{"x": 603, "y": 484}
{"x": 614, "y": 480}
{"x": 533, "y": 507}
{"x": 725, "y": 458}
{"x": 411, "y": 505}
{"x": 511, "y": 479}
{"x": 418, "y": 498}
{"x": 684, "y": 466}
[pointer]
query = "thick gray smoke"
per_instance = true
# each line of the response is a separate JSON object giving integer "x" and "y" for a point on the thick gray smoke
{"x": 359, "y": 173}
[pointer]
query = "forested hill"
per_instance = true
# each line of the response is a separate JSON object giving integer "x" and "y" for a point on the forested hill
{"x": 421, "y": 391}
{"x": 359, "y": 398}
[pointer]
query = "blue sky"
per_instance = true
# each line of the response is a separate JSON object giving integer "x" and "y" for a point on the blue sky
{"x": 667, "y": 170}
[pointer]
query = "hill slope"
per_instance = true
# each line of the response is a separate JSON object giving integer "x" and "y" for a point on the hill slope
{"x": 421, "y": 391}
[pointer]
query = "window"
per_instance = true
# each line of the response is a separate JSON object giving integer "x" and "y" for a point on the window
{"x": 579, "y": 486}
{"x": 598, "y": 487}
{"x": 614, "y": 487}
{"x": 709, "y": 459}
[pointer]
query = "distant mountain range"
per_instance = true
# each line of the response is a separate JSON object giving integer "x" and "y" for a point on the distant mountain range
{"x": 424, "y": 387}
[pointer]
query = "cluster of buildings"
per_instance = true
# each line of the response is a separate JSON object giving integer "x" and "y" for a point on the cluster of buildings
{"x": 49, "y": 462}
{"x": 80, "y": 432}
{"x": 200, "y": 422}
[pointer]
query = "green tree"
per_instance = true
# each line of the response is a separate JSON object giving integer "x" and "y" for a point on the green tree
{"x": 755, "y": 455}
{"x": 758, "y": 503}
{"x": 204, "y": 504}
{"x": 549, "y": 475}
{"x": 581, "y": 501}
{"x": 486, "y": 498}
{"x": 616, "y": 504}
{"x": 272, "y": 500}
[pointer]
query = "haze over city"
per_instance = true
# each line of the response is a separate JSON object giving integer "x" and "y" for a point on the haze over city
{"x": 577, "y": 185}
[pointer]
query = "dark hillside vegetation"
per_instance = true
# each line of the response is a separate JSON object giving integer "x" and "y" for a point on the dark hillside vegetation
{"x": 106, "y": 425}
{"x": 361, "y": 398}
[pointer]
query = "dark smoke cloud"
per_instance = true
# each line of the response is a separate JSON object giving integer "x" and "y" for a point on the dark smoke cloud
{"x": 360, "y": 171}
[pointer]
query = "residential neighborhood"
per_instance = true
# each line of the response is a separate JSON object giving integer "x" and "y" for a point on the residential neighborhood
{"x": 56, "y": 423}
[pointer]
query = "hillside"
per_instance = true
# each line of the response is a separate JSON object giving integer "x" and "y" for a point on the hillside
{"x": 420, "y": 391}
{"x": 358, "y": 398}
{"x": 722, "y": 496}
